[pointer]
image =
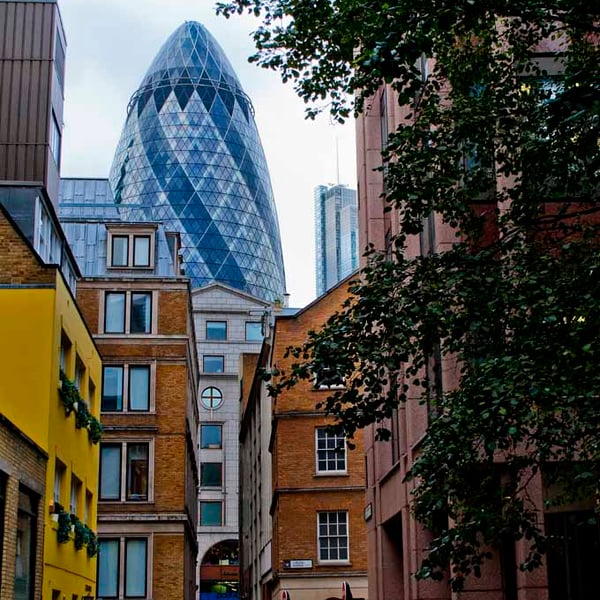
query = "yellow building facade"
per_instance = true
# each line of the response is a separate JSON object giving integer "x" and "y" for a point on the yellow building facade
{"x": 53, "y": 520}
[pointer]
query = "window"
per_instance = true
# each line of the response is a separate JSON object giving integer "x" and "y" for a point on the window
{"x": 211, "y": 435}
{"x": 91, "y": 394}
{"x": 130, "y": 250}
{"x": 333, "y": 536}
{"x": 79, "y": 374}
{"x": 124, "y": 471}
{"x": 139, "y": 388}
{"x": 65, "y": 352}
{"x": 59, "y": 477}
{"x": 123, "y": 568}
{"x": 574, "y": 555}
{"x": 211, "y": 474}
{"x": 213, "y": 363}
{"x": 331, "y": 451}
{"x": 120, "y": 251}
{"x": 211, "y": 398}
{"x": 54, "y": 140}
{"x": 114, "y": 318}
{"x": 49, "y": 245}
{"x": 108, "y": 568}
{"x": 216, "y": 330}
{"x": 254, "y": 331}
{"x": 137, "y": 471}
{"x": 211, "y": 513}
{"x": 75, "y": 492}
{"x": 88, "y": 507}
{"x": 112, "y": 389}
{"x": 141, "y": 312}
{"x": 135, "y": 396}
{"x": 326, "y": 378}
{"x": 128, "y": 312}
{"x": 26, "y": 544}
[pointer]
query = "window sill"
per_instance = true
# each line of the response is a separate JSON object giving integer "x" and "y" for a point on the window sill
{"x": 331, "y": 474}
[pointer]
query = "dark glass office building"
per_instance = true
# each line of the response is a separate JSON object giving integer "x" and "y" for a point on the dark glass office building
{"x": 191, "y": 157}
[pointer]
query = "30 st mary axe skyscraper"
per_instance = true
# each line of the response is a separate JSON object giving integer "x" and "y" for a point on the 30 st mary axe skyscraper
{"x": 191, "y": 157}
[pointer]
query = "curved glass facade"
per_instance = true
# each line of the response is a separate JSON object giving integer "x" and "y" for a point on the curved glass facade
{"x": 191, "y": 157}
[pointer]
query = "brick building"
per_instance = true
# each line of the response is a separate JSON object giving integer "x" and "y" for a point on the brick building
{"x": 396, "y": 542}
{"x": 304, "y": 530}
{"x": 139, "y": 308}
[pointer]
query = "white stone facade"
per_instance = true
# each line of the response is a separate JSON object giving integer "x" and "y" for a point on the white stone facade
{"x": 218, "y": 303}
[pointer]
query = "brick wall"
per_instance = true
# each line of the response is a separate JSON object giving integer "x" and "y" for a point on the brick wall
{"x": 165, "y": 426}
{"x": 19, "y": 265}
{"x": 25, "y": 465}
{"x": 299, "y": 491}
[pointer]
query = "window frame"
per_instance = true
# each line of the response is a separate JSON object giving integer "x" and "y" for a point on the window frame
{"x": 222, "y": 513}
{"x": 338, "y": 546}
{"x": 211, "y": 396}
{"x": 132, "y": 235}
{"x": 249, "y": 338}
{"x": 204, "y": 446}
{"x": 123, "y": 475}
{"x": 121, "y": 566}
{"x": 329, "y": 454}
{"x": 125, "y": 391}
{"x": 213, "y": 356}
{"x": 207, "y": 486}
{"x": 322, "y": 377}
{"x": 127, "y": 318}
{"x": 210, "y": 338}
{"x": 55, "y": 138}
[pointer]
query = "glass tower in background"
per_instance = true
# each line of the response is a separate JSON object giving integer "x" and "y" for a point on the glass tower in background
{"x": 190, "y": 156}
{"x": 336, "y": 235}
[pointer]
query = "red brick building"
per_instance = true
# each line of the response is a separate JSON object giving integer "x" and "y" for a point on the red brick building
{"x": 396, "y": 542}
{"x": 316, "y": 498}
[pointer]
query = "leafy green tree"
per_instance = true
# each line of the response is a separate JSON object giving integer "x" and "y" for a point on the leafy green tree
{"x": 499, "y": 139}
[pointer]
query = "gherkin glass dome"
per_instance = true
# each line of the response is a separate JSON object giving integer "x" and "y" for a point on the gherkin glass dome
{"x": 191, "y": 157}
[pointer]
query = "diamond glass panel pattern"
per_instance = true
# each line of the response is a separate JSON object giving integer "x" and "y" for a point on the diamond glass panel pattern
{"x": 191, "y": 157}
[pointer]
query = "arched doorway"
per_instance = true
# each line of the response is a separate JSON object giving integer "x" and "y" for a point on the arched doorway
{"x": 220, "y": 572}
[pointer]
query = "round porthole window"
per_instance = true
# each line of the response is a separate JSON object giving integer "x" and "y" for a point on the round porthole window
{"x": 211, "y": 398}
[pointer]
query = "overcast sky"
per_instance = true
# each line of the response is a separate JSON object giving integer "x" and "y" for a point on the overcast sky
{"x": 110, "y": 45}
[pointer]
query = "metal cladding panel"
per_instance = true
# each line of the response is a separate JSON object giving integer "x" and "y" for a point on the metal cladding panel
{"x": 26, "y": 65}
{"x": 191, "y": 157}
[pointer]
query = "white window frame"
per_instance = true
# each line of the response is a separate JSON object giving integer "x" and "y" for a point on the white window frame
{"x": 121, "y": 563}
{"x": 248, "y": 338}
{"x": 319, "y": 538}
{"x": 213, "y": 501}
{"x": 127, "y": 325}
{"x": 206, "y": 406}
{"x": 127, "y": 385}
{"x": 131, "y": 234}
{"x": 123, "y": 471}
{"x": 205, "y": 356}
{"x": 213, "y": 339}
{"x": 211, "y": 446}
{"x": 339, "y": 439}
{"x": 321, "y": 379}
